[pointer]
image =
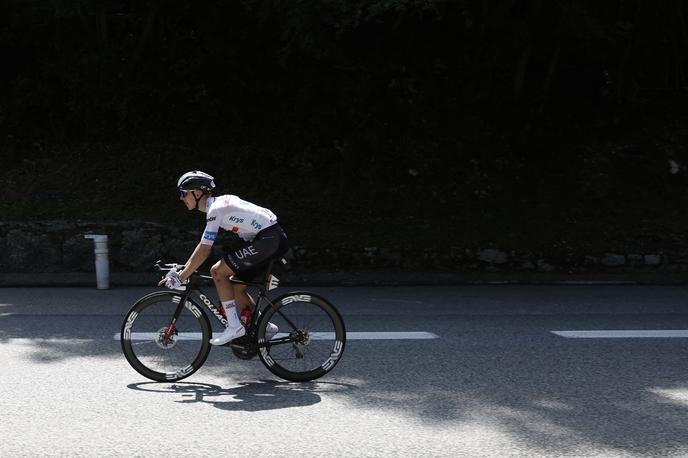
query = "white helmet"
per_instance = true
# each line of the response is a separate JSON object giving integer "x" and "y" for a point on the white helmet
{"x": 196, "y": 180}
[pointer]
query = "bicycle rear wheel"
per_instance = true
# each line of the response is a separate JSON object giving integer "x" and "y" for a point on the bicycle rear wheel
{"x": 158, "y": 349}
{"x": 310, "y": 340}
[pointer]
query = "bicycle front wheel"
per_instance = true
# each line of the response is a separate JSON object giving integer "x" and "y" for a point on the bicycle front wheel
{"x": 162, "y": 350}
{"x": 310, "y": 340}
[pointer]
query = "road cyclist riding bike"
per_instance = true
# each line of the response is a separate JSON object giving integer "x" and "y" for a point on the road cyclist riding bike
{"x": 166, "y": 335}
{"x": 263, "y": 238}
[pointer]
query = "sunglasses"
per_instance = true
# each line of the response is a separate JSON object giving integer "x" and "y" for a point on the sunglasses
{"x": 183, "y": 193}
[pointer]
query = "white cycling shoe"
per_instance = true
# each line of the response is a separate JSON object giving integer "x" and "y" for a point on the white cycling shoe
{"x": 228, "y": 335}
{"x": 270, "y": 331}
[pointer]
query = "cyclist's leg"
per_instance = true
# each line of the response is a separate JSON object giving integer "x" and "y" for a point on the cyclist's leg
{"x": 225, "y": 290}
{"x": 242, "y": 298}
{"x": 221, "y": 273}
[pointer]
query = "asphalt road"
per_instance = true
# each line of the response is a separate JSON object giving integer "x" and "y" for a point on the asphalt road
{"x": 497, "y": 382}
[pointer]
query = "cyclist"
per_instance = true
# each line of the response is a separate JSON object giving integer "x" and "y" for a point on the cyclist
{"x": 263, "y": 239}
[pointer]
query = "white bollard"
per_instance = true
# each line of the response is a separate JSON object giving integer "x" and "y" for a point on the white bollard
{"x": 102, "y": 262}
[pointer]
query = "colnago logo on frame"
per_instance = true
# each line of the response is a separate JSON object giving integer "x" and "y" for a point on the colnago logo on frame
{"x": 212, "y": 308}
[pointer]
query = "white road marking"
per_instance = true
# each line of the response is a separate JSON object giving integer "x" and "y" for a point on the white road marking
{"x": 624, "y": 334}
{"x": 389, "y": 335}
{"x": 314, "y": 335}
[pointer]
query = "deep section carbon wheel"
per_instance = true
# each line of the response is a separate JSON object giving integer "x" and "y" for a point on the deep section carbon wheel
{"x": 310, "y": 340}
{"x": 160, "y": 349}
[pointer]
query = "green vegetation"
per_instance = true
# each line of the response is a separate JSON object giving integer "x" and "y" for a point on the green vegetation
{"x": 526, "y": 124}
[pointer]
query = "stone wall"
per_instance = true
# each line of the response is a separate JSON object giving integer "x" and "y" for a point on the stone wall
{"x": 60, "y": 246}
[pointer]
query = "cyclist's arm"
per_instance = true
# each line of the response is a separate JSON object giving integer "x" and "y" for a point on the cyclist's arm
{"x": 203, "y": 249}
{"x": 198, "y": 257}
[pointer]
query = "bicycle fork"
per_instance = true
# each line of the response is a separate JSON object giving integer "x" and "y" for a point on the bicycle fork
{"x": 178, "y": 311}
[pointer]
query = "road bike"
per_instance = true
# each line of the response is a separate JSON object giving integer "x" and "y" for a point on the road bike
{"x": 166, "y": 335}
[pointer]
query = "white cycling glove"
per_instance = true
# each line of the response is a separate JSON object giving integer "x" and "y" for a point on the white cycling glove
{"x": 172, "y": 279}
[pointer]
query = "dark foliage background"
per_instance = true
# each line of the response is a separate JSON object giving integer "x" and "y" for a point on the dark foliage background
{"x": 543, "y": 125}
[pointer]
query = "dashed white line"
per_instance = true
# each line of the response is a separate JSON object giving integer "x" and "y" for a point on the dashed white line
{"x": 624, "y": 334}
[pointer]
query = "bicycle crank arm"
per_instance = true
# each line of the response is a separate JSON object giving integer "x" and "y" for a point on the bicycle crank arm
{"x": 280, "y": 341}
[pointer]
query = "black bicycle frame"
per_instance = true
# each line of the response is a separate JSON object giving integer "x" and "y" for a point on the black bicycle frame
{"x": 203, "y": 299}
{"x": 217, "y": 314}
{"x": 214, "y": 311}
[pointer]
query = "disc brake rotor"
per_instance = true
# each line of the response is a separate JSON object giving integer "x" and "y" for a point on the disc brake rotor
{"x": 301, "y": 337}
{"x": 166, "y": 343}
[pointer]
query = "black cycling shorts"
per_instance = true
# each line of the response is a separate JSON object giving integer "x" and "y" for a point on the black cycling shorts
{"x": 252, "y": 258}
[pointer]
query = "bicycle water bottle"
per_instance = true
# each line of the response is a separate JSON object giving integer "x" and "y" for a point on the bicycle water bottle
{"x": 245, "y": 317}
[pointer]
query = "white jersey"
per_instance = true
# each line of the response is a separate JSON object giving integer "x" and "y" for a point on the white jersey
{"x": 233, "y": 214}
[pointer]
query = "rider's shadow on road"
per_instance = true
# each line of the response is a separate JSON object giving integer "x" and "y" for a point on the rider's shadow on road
{"x": 248, "y": 397}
